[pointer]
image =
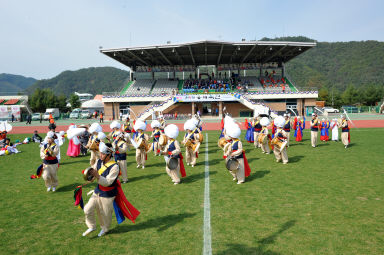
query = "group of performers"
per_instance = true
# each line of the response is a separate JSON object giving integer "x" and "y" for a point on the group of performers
{"x": 108, "y": 158}
{"x": 325, "y": 125}
{"x": 279, "y": 139}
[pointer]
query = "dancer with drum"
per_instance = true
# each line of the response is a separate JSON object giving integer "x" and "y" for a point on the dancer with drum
{"x": 48, "y": 153}
{"x": 314, "y": 129}
{"x": 287, "y": 127}
{"x": 280, "y": 141}
{"x": 256, "y": 131}
{"x": 115, "y": 126}
{"x": 172, "y": 154}
{"x": 93, "y": 142}
{"x": 190, "y": 142}
{"x": 107, "y": 195}
{"x": 120, "y": 147}
{"x": 162, "y": 123}
{"x": 234, "y": 154}
{"x": 345, "y": 135}
{"x": 156, "y": 133}
{"x": 142, "y": 144}
{"x": 264, "y": 137}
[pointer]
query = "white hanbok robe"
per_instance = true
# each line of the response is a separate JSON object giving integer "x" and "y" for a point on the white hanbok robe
{"x": 335, "y": 131}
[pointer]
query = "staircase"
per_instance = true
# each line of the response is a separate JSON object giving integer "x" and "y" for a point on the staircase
{"x": 157, "y": 108}
{"x": 256, "y": 107}
{"x": 126, "y": 87}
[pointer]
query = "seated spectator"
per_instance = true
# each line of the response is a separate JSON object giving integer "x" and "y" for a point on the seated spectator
{"x": 36, "y": 138}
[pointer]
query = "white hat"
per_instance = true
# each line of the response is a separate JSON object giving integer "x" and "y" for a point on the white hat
{"x": 115, "y": 124}
{"x": 190, "y": 125}
{"x": 72, "y": 126}
{"x": 155, "y": 124}
{"x": 101, "y": 136}
{"x": 322, "y": 119}
{"x": 228, "y": 121}
{"x": 172, "y": 131}
{"x": 264, "y": 121}
{"x": 298, "y": 117}
{"x": 285, "y": 114}
{"x": 95, "y": 128}
{"x": 103, "y": 148}
{"x": 62, "y": 133}
{"x": 127, "y": 135}
{"x": 140, "y": 125}
{"x": 195, "y": 121}
{"x": 233, "y": 130}
{"x": 50, "y": 134}
{"x": 279, "y": 121}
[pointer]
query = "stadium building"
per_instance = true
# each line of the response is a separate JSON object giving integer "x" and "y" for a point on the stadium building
{"x": 209, "y": 76}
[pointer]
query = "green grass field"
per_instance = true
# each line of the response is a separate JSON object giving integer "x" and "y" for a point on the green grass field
{"x": 327, "y": 200}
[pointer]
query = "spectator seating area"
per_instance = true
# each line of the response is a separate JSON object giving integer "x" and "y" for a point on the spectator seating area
{"x": 270, "y": 83}
{"x": 165, "y": 86}
{"x": 195, "y": 85}
{"x": 140, "y": 87}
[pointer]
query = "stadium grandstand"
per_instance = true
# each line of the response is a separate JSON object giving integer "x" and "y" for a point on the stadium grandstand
{"x": 206, "y": 76}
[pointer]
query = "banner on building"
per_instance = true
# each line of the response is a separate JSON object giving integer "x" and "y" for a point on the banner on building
{"x": 3, "y": 112}
{"x": 205, "y": 98}
{"x": 15, "y": 110}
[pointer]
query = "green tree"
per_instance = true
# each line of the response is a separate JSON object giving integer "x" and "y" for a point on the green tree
{"x": 323, "y": 94}
{"x": 62, "y": 103}
{"x": 372, "y": 94}
{"x": 350, "y": 95}
{"x": 42, "y": 99}
{"x": 74, "y": 101}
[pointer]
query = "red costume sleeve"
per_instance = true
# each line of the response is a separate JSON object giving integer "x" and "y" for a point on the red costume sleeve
{"x": 247, "y": 169}
{"x": 182, "y": 169}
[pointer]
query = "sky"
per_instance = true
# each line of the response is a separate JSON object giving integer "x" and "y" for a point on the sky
{"x": 42, "y": 38}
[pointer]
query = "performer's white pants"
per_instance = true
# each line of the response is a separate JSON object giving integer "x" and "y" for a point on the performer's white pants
{"x": 174, "y": 174}
{"x": 104, "y": 210}
{"x": 314, "y": 138}
{"x": 50, "y": 175}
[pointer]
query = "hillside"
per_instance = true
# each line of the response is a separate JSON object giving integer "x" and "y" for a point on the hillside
{"x": 10, "y": 83}
{"x": 94, "y": 80}
{"x": 338, "y": 64}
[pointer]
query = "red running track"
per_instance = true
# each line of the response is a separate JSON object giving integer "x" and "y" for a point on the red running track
{"x": 206, "y": 126}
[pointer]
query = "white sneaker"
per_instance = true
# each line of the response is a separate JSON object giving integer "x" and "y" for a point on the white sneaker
{"x": 234, "y": 179}
{"x": 277, "y": 161}
{"x": 101, "y": 233}
{"x": 239, "y": 182}
{"x": 176, "y": 183}
{"x": 187, "y": 164}
{"x": 143, "y": 167}
{"x": 48, "y": 189}
{"x": 53, "y": 189}
{"x": 192, "y": 165}
{"x": 345, "y": 146}
{"x": 138, "y": 166}
{"x": 88, "y": 231}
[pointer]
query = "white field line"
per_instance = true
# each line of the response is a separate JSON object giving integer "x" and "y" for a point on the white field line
{"x": 207, "y": 247}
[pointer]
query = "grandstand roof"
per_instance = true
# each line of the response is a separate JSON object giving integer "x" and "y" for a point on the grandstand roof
{"x": 209, "y": 53}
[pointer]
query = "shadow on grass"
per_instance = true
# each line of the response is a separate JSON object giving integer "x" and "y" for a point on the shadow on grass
{"x": 195, "y": 177}
{"x": 149, "y": 177}
{"x": 250, "y": 160}
{"x": 322, "y": 144}
{"x": 69, "y": 187}
{"x": 69, "y": 161}
{"x": 216, "y": 161}
{"x": 161, "y": 223}
{"x": 295, "y": 158}
{"x": 257, "y": 175}
{"x": 261, "y": 248}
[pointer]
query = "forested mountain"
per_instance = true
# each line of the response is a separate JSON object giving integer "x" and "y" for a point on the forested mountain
{"x": 94, "y": 80}
{"x": 10, "y": 83}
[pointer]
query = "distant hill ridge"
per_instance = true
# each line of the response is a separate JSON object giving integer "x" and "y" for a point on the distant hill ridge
{"x": 94, "y": 80}
{"x": 10, "y": 83}
{"x": 336, "y": 64}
